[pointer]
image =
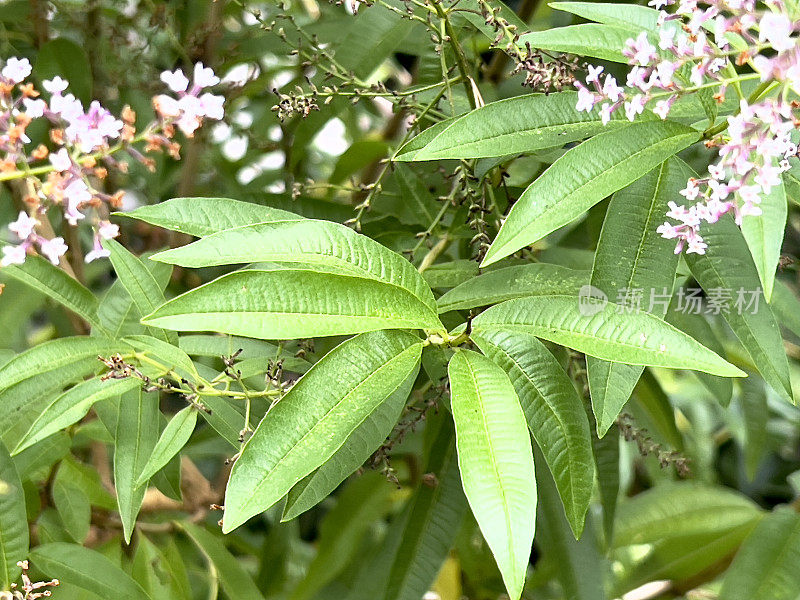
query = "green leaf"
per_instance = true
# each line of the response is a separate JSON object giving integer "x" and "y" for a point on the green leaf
{"x": 71, "y": 406}
{"x": 172, "y": 440}
{"x": 161, "y": 575}
{"x": 652, "y": 410}
{"x": 360, "y": 504}
{"x": 766, "y": 565}
{"x": 52, "y": 355}
{"x": 786, "y": 307}
{"x": 632, "y": 258}
{"x": 143, "y": 288}
{"x": 416, "y": 204}
{"x": 602, "y": 41}
{"x": 764, "y": 236}
{"x": 291, "y": 304}
{"x": 44, "y": 277}
{"x": 67, "y": 59}
{"x": 203, "y": 216}
{"x": 755, "y": 413}
{"x": 496, "y": 461}
{"x": 137, "y": 433}
{"x": 236, "y": 581}
{"x": 86, "y": 569}
{"x": 308, "y": 242}
{"x": 728, "y": 265}
{"x": 357, "y": 448}
{"x": 606, "y": 459}
{"x": 697, "y": 326}
{"x": 450, "y": 274}
{"x": 673, "y": 510}
{"x": 579, "y": 567}
{"x": 408, "y": 151}
{"x": 13, "y": 521}
{"x": 583, "y": 176}
{"x": 517, "y": 125}
{"x": 536, "y": 279}
{"x": 554, "y": 413}
{"x": 314, "y": 419}
{"x": 72, "y": 505}
{"x": 610, "y": 333}
{"x": 435, "y": 515}
{"x": 624, "y": 15}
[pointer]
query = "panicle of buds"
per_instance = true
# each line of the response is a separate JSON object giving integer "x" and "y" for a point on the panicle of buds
{"x": 68, "y": 175}
{"x": 555, "y": 73}
{"x": 691, "y": 50}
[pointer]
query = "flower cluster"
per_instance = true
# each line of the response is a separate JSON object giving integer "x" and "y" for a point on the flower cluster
{"x": 70, "y": 173}
{"x": 696, "y": 49}
{"x": 756, "y": 152}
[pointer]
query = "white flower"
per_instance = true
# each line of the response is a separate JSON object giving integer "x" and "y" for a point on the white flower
{"x": 34, "y": 108}
{"x": 13, "y": 255}
{"x": 54, "y": 249}
{"x": 204, "y": 76}
{"x": 56, "y": 85}
{"x": 175, "y": 80}
{"x": 61, "y": 160}
{"x": 23, "y": 226}
{"x": 775, "y": 28}
{"x": 16, "y": 69}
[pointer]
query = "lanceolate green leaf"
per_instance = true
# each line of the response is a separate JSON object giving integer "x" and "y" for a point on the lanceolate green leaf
{"x": 291, "y": 304}
{"x": 71, "y": 406}
{"x": 307, "y": 242}
{"x": 13, "y": 521}
{"x": 204, "y": 216}
{"x": 537, "y": 279}
{"x": 137, "y": 432}
{"x": 554, "y": 413}
{"x": 766, "y": 564}
{"x": 39, "y": 274}
{"x": 585, "y": 175}
{"x": 172, "y": 440}
{"x": 87, "y": 569}
{"x": 432, "y": 524}
{"x": 496, "y": 461}
{"x": 358, "y": 447}
{"x": 764, "y": 235}
{"x": 601, "y": 41}
{"x": 679, "y": 509}
{"x": 727, "y": 265}
{"x": 624, "y": 15}
{"x": 408, "y": 151}
{"x": 517, "y": 125}
{"x": 633, "y": 259}
{"x": 236, "y": 581}
{"x": 579, "y": 566}
{"x": 142, "y": 286}
{"x": 316, "y": 417}
{"x": 635, "y": 338}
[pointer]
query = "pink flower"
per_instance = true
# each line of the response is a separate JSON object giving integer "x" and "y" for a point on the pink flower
{"x": 61, "y": 160}
{"x": 776, "y": 28}
{"x": 642, "y": 50}
{"x": 586, "y": 100}
{"x": 76, "y": 193}
{"x": 611, "y": 90}
{"x": 16, "y": 69}
{"x": 663, "y": 107}
{"x": 108, "y": 230}
{"x": 635, "y": 106}
{"x": 34, "y": 108}
{"x": 53, "y": 249}
{"x": 605, "y": 113}
{"x": 14, "y": 255}
{"x": 24, "y": 225}
{"x": 691, "y": 191}
{"x": 666, "y": 70}
{"x": 594, "y": 74}
{"x": 97, "y": 251}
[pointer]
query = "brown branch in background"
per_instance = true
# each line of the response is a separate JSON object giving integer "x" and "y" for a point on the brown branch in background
{"x": 41, "y": 31}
